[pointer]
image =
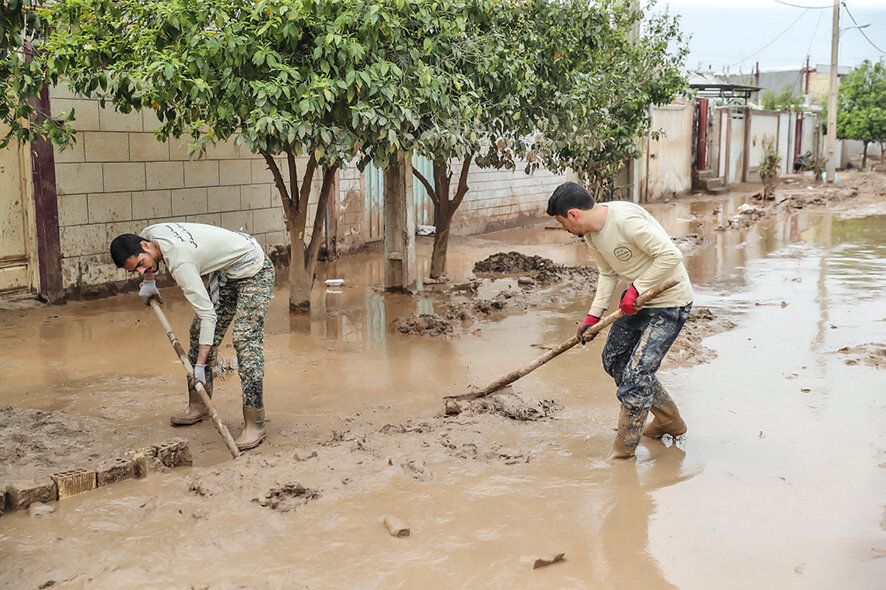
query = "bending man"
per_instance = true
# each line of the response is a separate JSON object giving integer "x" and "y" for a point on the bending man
{"x": 241, "y": 284}
{"x": 626, "y": 241}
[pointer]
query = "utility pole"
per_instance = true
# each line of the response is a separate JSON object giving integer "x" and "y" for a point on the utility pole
{"x": 832, "y": 96}
{"x": 634, "y": 166}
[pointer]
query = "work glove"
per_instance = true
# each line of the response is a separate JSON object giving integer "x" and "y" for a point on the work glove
{"x": 628, "y": 301}
{"x": 583, "y": 329}
{"x": 200, "y": 374}
{"x": 147, "y": 291}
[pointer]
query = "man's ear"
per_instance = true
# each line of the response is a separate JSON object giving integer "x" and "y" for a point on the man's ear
{"x": 146, "y": 245}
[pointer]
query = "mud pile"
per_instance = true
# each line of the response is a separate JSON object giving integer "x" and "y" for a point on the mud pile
{"x": 423, "y": 324}
{"x": 505, "y": 403}
{"x": 542, "y": 271}
{"x": 819, "y": 196}
{"x": 471, "y": 310}
{"x": 287, "y": 497}
{"x": 687, "y": 350}
{"x": 34, "y": 442}
{"x": 872, "y": 355}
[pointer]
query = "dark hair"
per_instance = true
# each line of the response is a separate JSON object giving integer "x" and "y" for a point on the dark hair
{"x": 124, "y": 247}
{"x": 569, "y": 195}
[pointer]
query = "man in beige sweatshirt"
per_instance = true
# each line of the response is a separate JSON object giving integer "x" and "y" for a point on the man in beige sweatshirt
{"x": 241, "y": 284}
{"x": 627, "y": 242}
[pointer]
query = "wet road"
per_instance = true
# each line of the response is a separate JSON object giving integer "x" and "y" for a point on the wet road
{"x": 779, "y": 482}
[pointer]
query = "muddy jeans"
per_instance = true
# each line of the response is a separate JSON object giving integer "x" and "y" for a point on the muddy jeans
{"x": 634, "y": 350}
{"x": 245, "y": 301}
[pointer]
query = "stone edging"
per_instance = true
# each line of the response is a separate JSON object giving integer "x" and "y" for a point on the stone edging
{"x": 19, "y": 495}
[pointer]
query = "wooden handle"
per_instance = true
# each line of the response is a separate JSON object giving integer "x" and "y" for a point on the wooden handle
{"x": 213, "y": 415}
{"x": 561, "y": 348}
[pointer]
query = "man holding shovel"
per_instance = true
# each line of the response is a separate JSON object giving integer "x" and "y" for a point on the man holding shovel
{"x": 241, "y": 283}
{"x": 626, "y": 241}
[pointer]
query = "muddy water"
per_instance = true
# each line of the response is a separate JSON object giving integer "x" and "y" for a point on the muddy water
{"x": 778, "y": 484}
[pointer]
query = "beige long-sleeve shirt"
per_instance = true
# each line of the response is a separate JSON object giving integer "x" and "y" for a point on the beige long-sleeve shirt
{"x": 634, "y": 246}
{"x": 191, "y": 250}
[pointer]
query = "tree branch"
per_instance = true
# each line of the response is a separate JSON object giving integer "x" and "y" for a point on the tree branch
{"x": 463, "y": 187}
{"x": 281, "y": 185}
{"x": 428, "y": 187}
{"x": 293, "y": 173}
{"x": 319, "y": 217}
{"x": 305, "y": 193}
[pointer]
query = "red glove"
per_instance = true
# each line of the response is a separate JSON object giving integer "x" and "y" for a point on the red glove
{"x": 589, "y": 321}
{"x": 628, "y": 299}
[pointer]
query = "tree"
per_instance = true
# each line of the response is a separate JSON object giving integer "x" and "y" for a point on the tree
{"x": 319, "y": 80}
{"x": 22, "y": 80}
{"x": 779, "y": 101}
{"x": 862, "y": 106}
{"x": 600, "y": 87}
{"x": 488, "y": 108}
{"x": 769, "y": 168}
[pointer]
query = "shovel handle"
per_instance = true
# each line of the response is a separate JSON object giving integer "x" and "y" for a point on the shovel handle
{"x": 180, "y": 351}
{"x": 561, "y": 348}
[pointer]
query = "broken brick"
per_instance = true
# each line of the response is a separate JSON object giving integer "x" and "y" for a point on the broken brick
{"x": 21, "y": 494}
{"x": 115, "y": 470}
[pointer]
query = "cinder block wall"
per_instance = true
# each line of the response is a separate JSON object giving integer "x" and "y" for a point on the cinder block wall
{"x": 118, "y": 178}
{"x": 500, "y": 198}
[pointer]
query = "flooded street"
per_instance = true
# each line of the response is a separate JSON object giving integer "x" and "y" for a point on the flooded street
{"x": 779, "y": 483}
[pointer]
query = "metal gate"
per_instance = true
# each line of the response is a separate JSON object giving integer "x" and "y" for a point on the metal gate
{"x": 374, "y": 195}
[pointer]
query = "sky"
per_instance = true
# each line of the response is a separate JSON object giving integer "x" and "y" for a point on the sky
{"x": 735, "y": 33}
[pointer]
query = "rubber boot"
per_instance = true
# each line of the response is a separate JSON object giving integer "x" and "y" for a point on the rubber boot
{"x": 196, "y": 410}
{"x": 254, "y": 429}
{"x": 630, "y": 425}
{"x": 666, "y": 420}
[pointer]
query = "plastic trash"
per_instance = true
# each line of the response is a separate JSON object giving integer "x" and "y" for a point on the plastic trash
{"x": 335, "y": 282}
{"x": 426, "y": 230}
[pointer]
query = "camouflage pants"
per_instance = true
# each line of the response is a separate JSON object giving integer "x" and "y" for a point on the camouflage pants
{"x": 634, "y": 350}
{"x": 245, "y": 301}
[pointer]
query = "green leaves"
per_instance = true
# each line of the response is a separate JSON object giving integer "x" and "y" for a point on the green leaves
{"x": 862, "y": 103}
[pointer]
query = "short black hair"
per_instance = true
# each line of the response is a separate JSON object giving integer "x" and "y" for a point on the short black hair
{"x": 124, "y": 247}
{"x": 569, "y": 195}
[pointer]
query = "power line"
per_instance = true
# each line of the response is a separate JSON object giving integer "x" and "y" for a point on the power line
{"x": 777, "y": 37}
{"x": 860, "y": 30}
{"x": 802, "y": 5}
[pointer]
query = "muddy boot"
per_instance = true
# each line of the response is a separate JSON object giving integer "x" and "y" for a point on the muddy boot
{"x": 254, "y": 431}
{"x": 667, "y": 420}
{"x": 196, "y": 410}
{"x": 630, "y": 424}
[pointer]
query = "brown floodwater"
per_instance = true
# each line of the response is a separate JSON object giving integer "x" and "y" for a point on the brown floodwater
{"x": 780, "y": 482}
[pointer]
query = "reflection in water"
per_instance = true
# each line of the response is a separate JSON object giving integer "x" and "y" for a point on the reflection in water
{"x": 625, "y": 528}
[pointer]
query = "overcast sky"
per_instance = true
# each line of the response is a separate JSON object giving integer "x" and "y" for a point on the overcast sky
{"x": 734, "y": 32}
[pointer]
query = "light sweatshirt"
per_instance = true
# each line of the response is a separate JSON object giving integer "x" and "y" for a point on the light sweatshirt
{"x": 633, "y": 245}
{"x": 191, "y": 250}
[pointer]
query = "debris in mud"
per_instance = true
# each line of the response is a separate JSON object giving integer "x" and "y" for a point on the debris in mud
{"x": 688, "y": 350}
{"x": 546, "y": 562}
{"x": 417, "y": 470}
{"x": 396, "y": 527}
{"x": 747, "y": 216}
{"x": 223, "y": 366}
{"x": 423, "y": 324}
{"x": 872, "y": 355}
{"x": 689, "y": 243}
{"x": 509, "y": 405}
{"x": 40, "y": 509}
{"x": 287, "y": 497}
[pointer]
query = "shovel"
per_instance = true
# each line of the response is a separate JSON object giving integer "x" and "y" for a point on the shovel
{"x": 561, "y": 348}
{"x": 213, "y": 415}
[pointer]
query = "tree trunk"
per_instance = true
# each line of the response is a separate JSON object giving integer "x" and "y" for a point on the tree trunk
{"x": 864, "y": 157}
{"x": 300, "y": 281}
{"x": 444, "y": 209}
{"x": 442, "y": 222}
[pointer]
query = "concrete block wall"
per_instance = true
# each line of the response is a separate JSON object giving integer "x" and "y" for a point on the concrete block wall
{"x": 499, "y": 198}
{"x": 118, "y": 178}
